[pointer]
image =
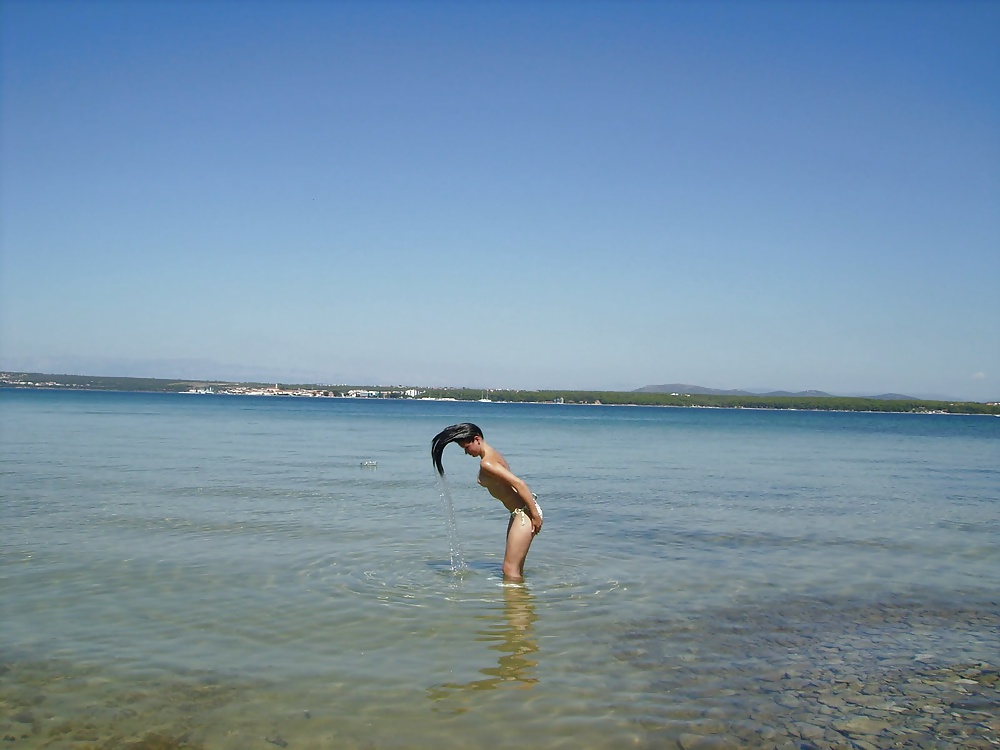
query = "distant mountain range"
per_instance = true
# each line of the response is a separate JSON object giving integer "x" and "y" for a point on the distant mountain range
{"x": 697, "y": 390}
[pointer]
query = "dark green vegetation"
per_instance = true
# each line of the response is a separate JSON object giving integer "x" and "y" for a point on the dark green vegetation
{"x": 634, "y": 398}
{"x": 825, "y": 403}
{"x": 95, "y": 383}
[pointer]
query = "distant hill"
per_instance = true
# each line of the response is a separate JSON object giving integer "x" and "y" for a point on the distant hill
{"x": 815, "y": 394}
{"x": 697, "y": 390}
{"x": 689, "y": 390}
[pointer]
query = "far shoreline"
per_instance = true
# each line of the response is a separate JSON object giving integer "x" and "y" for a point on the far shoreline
{"x": 846, "y": 404}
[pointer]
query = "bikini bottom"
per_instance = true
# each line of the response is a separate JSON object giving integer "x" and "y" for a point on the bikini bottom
{"x": 525, "y": 518}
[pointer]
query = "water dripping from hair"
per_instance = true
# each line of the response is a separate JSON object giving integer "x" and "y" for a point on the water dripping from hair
{"x": 454, "y": 543}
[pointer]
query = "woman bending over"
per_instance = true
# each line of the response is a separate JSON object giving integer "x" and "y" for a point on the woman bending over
{"x": 495, "y": 475}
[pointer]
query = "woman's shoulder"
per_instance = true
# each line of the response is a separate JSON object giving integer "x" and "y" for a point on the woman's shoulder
{"x": 494, "y": 464}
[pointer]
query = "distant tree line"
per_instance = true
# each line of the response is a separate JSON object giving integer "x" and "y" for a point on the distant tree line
{"x": 819, "y": 403}
{"x": 93, "y": 382}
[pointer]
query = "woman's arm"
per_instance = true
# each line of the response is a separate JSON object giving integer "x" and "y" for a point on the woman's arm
{"x": 520, "y": 487}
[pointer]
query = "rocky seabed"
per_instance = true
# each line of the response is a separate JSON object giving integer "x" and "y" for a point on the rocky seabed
{"x": 823, "y": 675}
{"x": 803, "y": 675}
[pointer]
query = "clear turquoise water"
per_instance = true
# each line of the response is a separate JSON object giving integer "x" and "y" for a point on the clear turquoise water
{"x": 226, "y": 567}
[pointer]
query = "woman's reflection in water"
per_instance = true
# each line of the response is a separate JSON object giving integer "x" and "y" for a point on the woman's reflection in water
{"x": 514, "y": 640}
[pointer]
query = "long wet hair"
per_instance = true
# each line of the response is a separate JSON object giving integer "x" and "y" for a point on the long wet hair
{"x": 457, "y": 433}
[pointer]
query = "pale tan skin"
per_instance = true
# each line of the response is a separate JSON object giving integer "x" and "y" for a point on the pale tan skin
{"x": 495, "y": 475}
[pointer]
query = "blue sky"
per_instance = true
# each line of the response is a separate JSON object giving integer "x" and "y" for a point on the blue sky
{"x": 793, "y": 195}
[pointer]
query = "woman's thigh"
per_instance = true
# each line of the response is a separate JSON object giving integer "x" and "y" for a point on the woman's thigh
{"x": 519, "y": 538}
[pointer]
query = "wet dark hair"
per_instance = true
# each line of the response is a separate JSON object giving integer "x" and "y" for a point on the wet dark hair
{"x": 463, "y": 433}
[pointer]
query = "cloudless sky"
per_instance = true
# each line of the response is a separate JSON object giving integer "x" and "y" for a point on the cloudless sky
{"x": 764, "y": 195}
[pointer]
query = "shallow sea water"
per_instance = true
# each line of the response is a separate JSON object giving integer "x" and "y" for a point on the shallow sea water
{"x": 224, "y": 572}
